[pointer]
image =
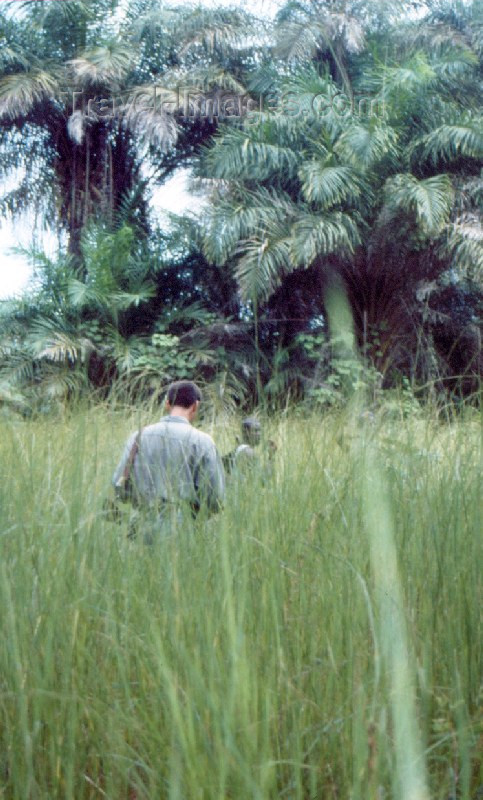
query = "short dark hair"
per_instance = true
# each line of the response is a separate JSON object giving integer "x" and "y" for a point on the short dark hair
{"x": 183, "y": 393}
{"x": 251, "y": 423}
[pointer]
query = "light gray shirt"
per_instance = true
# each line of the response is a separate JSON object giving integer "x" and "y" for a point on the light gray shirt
{"x": 175, "y": 462}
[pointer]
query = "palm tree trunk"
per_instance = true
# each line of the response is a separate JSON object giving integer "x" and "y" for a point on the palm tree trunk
{"x": 73, "y": 245}
{"x": 87, "y": 178}
{"x": 111, "y": 184}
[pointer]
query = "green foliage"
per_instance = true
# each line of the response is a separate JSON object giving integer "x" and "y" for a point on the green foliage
{"x": 330, "y": 185}
{"x": 427, "y": 202}
{"x": 382, "y": 199}
{"x": 448, "y": 143}
{"x": 242, "y": 655}
{"x": 76, "y": 164}
{"x": 402, "y": 402}
{"x": 362, "y": 164}
{"x": 115, "y": 275}
{"x": 80, "y": 102}
{"x": 366, "y": 146}
{"x": 164, "y": 359}
{"x": 347, "y": 377}
{"x": 80, "y": 328}
{"x": 462, "y": 246}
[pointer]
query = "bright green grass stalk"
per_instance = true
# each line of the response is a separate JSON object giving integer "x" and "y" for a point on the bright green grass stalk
{"x": 410, "y": 774}
{"x": 245, "y": 657}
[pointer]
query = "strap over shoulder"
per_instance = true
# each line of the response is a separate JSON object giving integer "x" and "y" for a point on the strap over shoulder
{"x": 122, "y": 486}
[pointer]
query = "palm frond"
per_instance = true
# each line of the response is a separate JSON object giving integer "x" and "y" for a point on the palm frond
{"x": 475, "y": 33}
{"x": 102, "y": 65}
{"x": 438, "y": 36}
{"x": 297, "y": 40}
{"x": 316, "y": 236}
{"x": 279, "y": 127}
{"x": 449, "y": 142}
{"x": 17, "y": 369}
{"x": 330, "y": 185}
{"x": 410, "y": 78}
{"x": 469, "y": 193}
{"x": 214, "y": 28}
{"x": 427, "y": 201}
{"x": 242, "y": 218}
{"x": 310, "y": 98}
{"x": 148, "y": 113}
{"x": 301, "y": 37}
{"x": 364, "y": 146}
{"x": 54, "y": 341}
{"x": 194, "y": 314}
{"x": 454, "y": 66}
{"x": 265, "y": 261}
{"x": 59, "y": 347}
{"x": 14, "y": 54}
{"x": 110, "y": 300}
{"x": 20, "y": 91}
{"x": 129, "y": 204}
{"x": 58, "y": 383}
{"x": 69, "y": 12}
{"x": 264, "y": 264}
{"x": 125, "y": 351}
{"x": 202, "y": 79}
{"x": 462, "y": 244}
{"x": 81, "y": 295}
{"x": 124, "y": 300}
{"x": 33, "y": 188}
{"x": 76, "y": 126}
{"x": 243, "y": 154}
{"x": 265, "y": 79}
{"x": 348, "y": 29}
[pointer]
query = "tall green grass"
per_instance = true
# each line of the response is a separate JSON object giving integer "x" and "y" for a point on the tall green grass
{"x": 317, "y": 639}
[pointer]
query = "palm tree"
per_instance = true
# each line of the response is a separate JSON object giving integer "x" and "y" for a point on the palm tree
{"x": 211, "y": 54}
{"x": 94, "y": 93}
{"x": 387, "y": 201}
{"x": 323, "y": 33}
{"x": 68, "y": 122}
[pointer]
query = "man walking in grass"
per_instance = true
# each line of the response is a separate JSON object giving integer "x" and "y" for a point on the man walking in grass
{"x": 174, "y": 470}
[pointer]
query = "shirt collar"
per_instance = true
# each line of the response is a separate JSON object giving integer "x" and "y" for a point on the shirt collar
{"x": 174, "y": 418}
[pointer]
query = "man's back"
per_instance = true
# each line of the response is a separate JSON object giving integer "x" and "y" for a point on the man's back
{"x": 175, "y": 463}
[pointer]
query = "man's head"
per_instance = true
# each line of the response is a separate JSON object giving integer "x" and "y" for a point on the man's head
{"x": 183, "y": 397}
{"x": 251, "y": 431}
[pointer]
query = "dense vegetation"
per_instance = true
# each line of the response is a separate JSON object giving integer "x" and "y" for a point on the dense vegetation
{"x": 317, "y": 639}
{"x": 340, "y": 146}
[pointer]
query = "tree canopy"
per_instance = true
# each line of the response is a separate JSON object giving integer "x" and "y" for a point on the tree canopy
{"x": 340, "y": 145}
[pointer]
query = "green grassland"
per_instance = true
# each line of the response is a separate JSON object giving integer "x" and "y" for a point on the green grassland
{"x": 319, "y": 638}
